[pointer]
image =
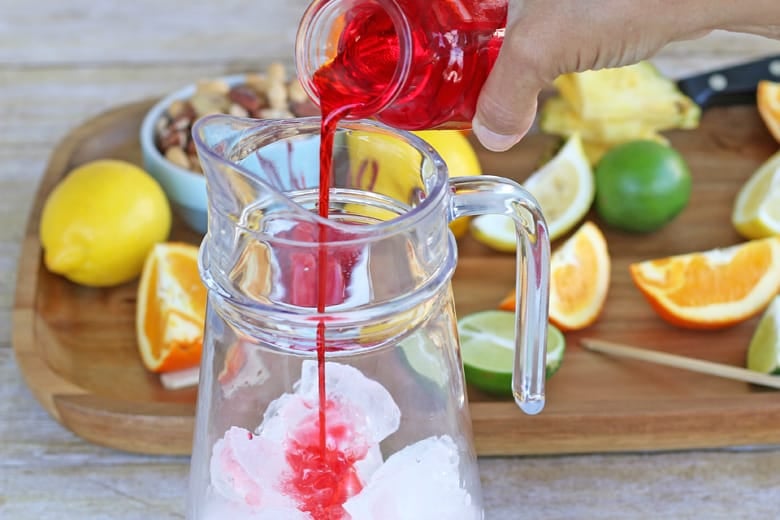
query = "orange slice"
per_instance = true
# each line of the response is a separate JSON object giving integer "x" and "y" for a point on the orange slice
{"x": 712, "y": 289}
{"x": 768, "y": 100}
{"x": 171, "y": 308}
{"x": 579, "y": 280}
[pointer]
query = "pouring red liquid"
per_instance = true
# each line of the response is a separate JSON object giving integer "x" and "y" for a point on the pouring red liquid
{"x": 411, "y": 64}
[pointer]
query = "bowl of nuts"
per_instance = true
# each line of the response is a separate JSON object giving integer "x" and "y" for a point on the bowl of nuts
{"x": 166, "y": 131}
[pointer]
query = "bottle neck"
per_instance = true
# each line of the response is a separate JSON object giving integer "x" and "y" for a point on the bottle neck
{"x": 353, "y": 55}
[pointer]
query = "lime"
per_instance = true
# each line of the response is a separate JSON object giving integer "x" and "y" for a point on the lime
{"x": 488, "y": 350}
{"x": 641, "y": 185}
{"x": 424, "y": 357}
{"x": 764, "y": 351}
{"x": 757, "y": 207}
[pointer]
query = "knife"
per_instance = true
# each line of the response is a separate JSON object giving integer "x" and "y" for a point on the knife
{"x": 734, "y": 85}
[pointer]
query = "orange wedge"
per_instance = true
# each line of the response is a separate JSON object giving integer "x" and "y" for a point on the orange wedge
{"x": 768, "y": 100}
{"x": 235, "y": 359}
{"x": 712, "y": 289}
{"x": 579, "y": 280}
{"x": 171, "y": 308}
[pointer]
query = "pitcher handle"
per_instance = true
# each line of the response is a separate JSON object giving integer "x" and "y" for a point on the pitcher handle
{"x": 490, "y": 194}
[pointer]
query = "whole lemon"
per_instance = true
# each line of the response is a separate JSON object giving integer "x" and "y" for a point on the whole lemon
{"x": 461, "y": 159}
{"x": 399, "y": 164}
{"x": 100, "y": 222}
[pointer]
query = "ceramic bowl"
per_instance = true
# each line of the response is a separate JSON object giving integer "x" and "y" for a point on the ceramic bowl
{"x": 186, "y": 189}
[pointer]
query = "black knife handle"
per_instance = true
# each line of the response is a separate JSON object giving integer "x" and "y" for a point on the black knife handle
{"x": 731, "y": 85}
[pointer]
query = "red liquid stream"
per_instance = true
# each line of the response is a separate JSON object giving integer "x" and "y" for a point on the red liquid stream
{"x": 454, "y": 46}
{"x": 324, "y": 476}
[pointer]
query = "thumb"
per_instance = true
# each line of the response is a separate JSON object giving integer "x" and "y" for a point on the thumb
{"x": 506, "y": 106}
{"x": 505, "y": 111}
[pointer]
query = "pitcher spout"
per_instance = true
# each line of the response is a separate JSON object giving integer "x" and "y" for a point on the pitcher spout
{"x": 268, "y": 244}
{"x": 250, "y": 162}
{"x": 216, "y": 132}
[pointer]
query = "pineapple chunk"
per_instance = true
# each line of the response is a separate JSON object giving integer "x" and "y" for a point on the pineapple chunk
{"x": 557, "y": 117}
{"x": 637, "y": 90}
{"x": 612, "y": 106}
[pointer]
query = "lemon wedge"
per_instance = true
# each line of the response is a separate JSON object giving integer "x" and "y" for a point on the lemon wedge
{"x": 564, "y": 188}
{"x": 764, "y": 350}
{"x": 757, "y": 207}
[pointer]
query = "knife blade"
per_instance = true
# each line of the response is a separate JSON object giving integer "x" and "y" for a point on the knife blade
{"x": 735, "y": 85}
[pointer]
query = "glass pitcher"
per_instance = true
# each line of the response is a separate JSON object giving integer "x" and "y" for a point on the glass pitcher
{"x": 358, "y": 412}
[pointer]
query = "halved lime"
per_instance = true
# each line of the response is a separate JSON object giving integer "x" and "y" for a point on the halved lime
{"x": 488, "y": 350}
{"x": 764, "y": 350}
{"x": 423, "y": 356}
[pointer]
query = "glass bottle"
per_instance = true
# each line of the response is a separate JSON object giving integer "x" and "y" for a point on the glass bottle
{"x": 411, "y": 64}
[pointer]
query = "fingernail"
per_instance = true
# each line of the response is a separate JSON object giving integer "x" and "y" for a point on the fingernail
{"x": 491, "y": 140}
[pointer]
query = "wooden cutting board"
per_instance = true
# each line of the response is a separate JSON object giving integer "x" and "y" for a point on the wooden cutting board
{"x": 76, "y": 346}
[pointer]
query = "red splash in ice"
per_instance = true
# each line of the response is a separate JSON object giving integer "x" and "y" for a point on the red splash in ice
{"x": 322, "y": 480}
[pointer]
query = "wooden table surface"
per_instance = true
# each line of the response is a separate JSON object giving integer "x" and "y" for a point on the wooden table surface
{"x": 62, "y": 62}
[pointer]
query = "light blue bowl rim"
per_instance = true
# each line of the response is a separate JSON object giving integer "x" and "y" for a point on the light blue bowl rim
{"x": 184, "y": 187}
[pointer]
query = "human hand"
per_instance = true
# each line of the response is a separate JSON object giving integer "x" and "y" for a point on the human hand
{"x": 545, "y": 39}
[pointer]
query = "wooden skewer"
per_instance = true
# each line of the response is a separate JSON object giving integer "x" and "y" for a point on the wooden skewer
{"x": 686, "y": 363}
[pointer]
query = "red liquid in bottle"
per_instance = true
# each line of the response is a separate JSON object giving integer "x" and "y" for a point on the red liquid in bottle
{"x": 451, "y": 47}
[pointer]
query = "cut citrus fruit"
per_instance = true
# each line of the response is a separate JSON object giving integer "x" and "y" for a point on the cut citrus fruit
{"x": 495, "y": 231}
{"x": 764, "y": 350}
{"x": 488, "y": 350}
{"x": 171, "y": 308}
{"x": 712, "y": 289}
{"x": 425, "y": 359}
{"x": 579, "y": 279}
{"x": 756, "y": 211}
{"x": 564, "y": 188}
{"x": 768, "y": 101}
{"x": 382, "y": 164}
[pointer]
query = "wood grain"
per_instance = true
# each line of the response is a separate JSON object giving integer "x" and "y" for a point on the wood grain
{"x": 58, "y": 67}
{"x": 81, "y": 361}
